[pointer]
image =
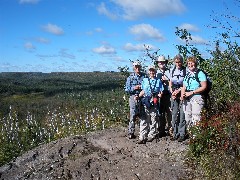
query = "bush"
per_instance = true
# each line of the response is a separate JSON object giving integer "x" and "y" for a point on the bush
{"x": 216, "y": 143}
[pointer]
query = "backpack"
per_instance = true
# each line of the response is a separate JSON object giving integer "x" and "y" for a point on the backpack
{"x": 209, "y": 82}
{"x": 172, "y": 75}
{"x": 205, "y": 93}
{"x": 184, "y": 71}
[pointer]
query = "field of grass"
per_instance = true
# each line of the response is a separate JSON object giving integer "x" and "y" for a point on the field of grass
{"x": 37, "y": 108}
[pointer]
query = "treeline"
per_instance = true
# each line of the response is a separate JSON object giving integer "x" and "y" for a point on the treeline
{"x": 53, "y": 83}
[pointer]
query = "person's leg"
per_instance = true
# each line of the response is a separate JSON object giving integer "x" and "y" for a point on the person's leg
{"x": 162, "y": 118}
{"x": 153, "y": 122}
{"x": 182, "y": 123}
{"x": 168, "y": 112}
{"x": 187, "y": 109}
{"x": 197, "y": 106}
{"x": 132, "y": 119}
{"x": 175, "y": 111}
{"x": 144, "y": 126}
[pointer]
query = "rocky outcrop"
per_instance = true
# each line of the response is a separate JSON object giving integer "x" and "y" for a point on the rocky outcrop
{"x": 106, "y": 154}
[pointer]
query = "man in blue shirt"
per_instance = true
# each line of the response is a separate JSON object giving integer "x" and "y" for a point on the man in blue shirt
{"x": 133, "y": 88}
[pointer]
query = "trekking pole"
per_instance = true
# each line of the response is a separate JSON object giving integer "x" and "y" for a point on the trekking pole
{"x": 158, "y": 121}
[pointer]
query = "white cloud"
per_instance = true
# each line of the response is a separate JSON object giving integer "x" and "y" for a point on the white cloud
{"x": 54, "y": 29}
{"x": 138, "y": 47}
{"x": 98, "y": 29}
{"x": 132, "y": 10}
{"x": 91, "y": 32}
{"x": 103, "y": 10}
{"x": 63, "y": 53}
{"x": 29, "y": 46}
{"x": 146, "y": 31}
{"x": 104, "y": 49}
{"x": 42, "y": 40}
{"x": 196, "y": 40}
{"x": 29, "y": 1}
{"x": 189, "y": 27}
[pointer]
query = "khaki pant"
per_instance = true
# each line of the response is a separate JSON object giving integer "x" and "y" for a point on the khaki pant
{"x": 148, "y": 123}
{"x": 192, "y": 108}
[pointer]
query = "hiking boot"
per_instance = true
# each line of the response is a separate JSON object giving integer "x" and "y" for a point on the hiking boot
{"x": 163, "y": 134}
{"x": 187, "y": 136}
{"x": 141, "y": 141}
{"x": 131, "y": 136}
{"x": 181, "y": 139}
{"x": 170, "y": 132}
{"x": 187, "y": 142}
{"x": 150, "y": 139}
{"x": 173, "y": 138}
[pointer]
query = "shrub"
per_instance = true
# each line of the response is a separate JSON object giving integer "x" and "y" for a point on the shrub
{"x": 216, "y": 143}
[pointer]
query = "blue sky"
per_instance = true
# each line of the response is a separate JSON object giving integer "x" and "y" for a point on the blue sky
{"x": 99, "y": 35}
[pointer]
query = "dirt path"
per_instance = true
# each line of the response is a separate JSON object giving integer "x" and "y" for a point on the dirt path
{"x": 106, "y": 154}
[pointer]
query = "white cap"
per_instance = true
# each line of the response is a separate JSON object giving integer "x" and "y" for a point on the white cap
{"x": 152, "y": 67}
{"x": 136, "y": 63}
{"x": 161, "y": 59}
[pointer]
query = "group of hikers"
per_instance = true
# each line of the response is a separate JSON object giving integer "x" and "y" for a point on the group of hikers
{"x": 167, "y": 101}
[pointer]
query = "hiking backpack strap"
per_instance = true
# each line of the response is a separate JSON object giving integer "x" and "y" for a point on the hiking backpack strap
{"x": 196, "y": 75}
{"x": 184, "y": 71}
{"x": 152, "y": 89}
{"x": 173, "y": 70}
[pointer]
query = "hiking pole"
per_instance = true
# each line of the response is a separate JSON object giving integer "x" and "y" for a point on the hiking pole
{"x": 158, "y": 120}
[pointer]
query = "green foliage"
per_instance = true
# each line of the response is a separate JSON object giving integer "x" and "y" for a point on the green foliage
{"x": 68, "y": 104}
{"x": 215, "y": 141}
{"x": 226, "y": 73}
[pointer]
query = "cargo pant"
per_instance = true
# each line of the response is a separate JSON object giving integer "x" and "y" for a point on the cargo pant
{"x": 148, "y": 123}
{"x": 134, "y": 112}
{"x": 192, "y": 108}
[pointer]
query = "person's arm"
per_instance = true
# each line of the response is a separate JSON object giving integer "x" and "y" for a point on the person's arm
{"x": 174, "y": 92}
{"x": 200, "y": 89}
{"x": 183, "y": 90}
{"x": 141, "y": 94}
{"x": 203, "y": 83}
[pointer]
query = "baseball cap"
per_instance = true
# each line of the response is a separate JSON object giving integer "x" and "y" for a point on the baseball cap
{"x": 152, "y": 67}
{"x": 136, "y": 63}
